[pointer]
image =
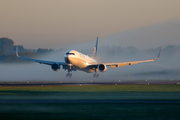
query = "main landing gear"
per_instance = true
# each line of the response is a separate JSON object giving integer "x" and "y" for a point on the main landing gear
{"x": 95, "y": 75}
{"x": 69, "y": 74}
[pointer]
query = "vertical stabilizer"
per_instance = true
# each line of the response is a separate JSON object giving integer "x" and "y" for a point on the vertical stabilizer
{"x": 95, "y": 49}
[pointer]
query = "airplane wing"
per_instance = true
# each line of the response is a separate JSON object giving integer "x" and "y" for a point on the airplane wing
{"x": 40, "y": 61}
{"x": 120, "y": 64}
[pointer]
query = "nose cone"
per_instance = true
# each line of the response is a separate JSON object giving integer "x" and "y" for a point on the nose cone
{"x": 67, "y": 57}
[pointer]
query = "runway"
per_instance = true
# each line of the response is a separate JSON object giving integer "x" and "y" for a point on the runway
{"x": 87, "y": 101}
{"x": 118, "y": 82}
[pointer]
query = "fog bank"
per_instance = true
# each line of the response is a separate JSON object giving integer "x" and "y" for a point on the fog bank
{"x": 166, "y": 67}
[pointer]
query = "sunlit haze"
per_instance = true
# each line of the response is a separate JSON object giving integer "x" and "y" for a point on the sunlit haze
{"x": 55, "y": 23}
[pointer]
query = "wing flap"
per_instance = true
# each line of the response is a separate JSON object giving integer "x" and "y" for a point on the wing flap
{"x": 122, "y": 64}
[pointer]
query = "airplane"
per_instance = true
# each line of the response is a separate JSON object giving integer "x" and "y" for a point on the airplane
{"x": 75, "y": 60}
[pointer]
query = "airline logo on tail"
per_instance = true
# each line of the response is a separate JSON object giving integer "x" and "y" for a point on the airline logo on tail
{"x": 95, "y": 49}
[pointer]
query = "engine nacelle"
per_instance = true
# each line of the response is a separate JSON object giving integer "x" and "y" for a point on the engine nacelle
{"x": 102, "y": 68}
{"x": 55, "y": 67}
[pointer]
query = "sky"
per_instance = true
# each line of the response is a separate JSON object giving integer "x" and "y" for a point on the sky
{"x": 58, "y": 23}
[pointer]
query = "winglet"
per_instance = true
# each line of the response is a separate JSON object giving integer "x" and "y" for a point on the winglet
{"x": 95, "y": 49}
{"x": 17, "y": 52}
{"x": 158, "y": 55}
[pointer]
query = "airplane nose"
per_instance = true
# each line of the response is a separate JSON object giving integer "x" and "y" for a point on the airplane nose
{"x": 67, "y": 60}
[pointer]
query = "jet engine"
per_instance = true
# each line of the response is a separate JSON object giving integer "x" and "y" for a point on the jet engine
{"x": 55, "y": 67}
{"x": 102, "y": 68}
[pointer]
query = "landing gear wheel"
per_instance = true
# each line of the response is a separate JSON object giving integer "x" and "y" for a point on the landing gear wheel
{"x": 95, "y": 75}
{"x": 69, "y": 75}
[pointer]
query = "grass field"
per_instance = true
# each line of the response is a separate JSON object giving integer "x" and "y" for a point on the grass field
{"x": 91, "y": 92}
{"x": 97, "y": 88}
{"x": 32, "y": 111}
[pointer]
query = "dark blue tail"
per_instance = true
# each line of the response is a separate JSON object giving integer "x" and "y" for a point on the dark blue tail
{"x": 95, "y": 49}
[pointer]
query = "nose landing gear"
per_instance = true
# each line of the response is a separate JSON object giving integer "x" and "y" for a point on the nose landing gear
{"x": 69, "y": 74}
{"x": 95, "y": 75}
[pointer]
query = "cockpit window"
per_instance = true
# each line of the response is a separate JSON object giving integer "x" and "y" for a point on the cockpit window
{"x": 70, "y": 54}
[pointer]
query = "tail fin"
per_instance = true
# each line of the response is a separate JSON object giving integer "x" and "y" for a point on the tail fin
{"x": 95, "y": 49}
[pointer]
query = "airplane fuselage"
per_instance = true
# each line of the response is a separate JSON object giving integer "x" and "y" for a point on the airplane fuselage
{"x": 79, "y": 60}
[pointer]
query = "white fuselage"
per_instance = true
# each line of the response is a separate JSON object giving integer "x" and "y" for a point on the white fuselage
{"x": 79, "y": 60}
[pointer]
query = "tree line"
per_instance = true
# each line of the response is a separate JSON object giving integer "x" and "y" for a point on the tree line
{"x": 8, "y": 50}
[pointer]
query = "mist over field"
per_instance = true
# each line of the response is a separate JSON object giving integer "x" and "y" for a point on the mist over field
{"x": 165, "y": 68}
{"x": 138, "y": 44}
